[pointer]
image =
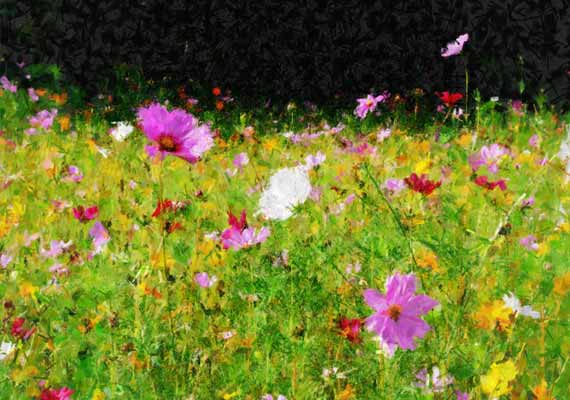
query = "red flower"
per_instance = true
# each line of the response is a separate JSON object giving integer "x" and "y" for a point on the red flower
{"x": 219, "y": 105}
{"x": 19, "y": 331}
{"x": 168, "y": 205}
{"x": 216, "y": 91}
{"x": 240, "y": 224}
{"x": 421, "y": 184}
{"x": 85, "y": 214}
{"x": 63, "y": 393}
{"x": 483, "y": 181}
{"x": 449, "y": 98}
{"x": 350, "y": 329}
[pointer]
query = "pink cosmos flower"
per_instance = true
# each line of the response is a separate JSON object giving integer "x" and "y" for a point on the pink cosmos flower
{"x": 42, "y": 120}
{"x": 368, "y": 104}
{"x": 394, "y": 186}
{"x": 383, "y": 134}
{"x": 5, "y": 259}
{"x": 85, "y": 214}
{"x": 488, "y": 156}
{"x": 7, "y": 85}
{"x": 204, "y": 280}
{"x": 529, "y": 243}
{"x": 19, "y": 331}
{"x": 56, "y": 248}
{"x": 454, "y": 48}
{"x": 517, "y": 107}
{"x": 316, "y": 193}
{"x": 28, "y": 239}
{"x": 241, "y": 160}
{"x": 270, "y": 397}
{"x": 239, "y": 235}
{"x": 397, "y": 318}
{"x": 73, "y": 174}
{"x": 33, "y": 95}
{"x": 314, "y": 160}
{"x": 100, "y": 237}
{"x": 63, "y": 393}
{"x": 58, "y": 269}
{"x": 174, "y": 132}
{"x": 534, "y": 140}
{"x": 528, "y": 202}
{"x": 461, "y": 396}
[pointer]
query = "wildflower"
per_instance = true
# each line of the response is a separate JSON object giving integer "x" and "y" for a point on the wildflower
{"x": 216, "y": 91}
{"x": 534, "y": 140}
{"x": 496, "y": 382}
{"x": 42, "y": 120}
{"x": 73, "y": 174}
{"x": 288, "y": 188}
{"x": 7, "y": 85}
{"x": 350, "y": 329}
{"x": 5, "y": 259}
{"x": 100, "y": 237}
{"x": 488, "y": 156}
{"x": 528, "y": 202}
{"x": 219, "y": 105}
{"x": 85, "y": 214}
{"x": 454, "y": 48}
{"x": 461, "y": 396}
{"x": 228, "y": 334}
{"x": 121, "y": 131}
{"x": 517, "y": 107}
{"x": 529, "y": 243}
{"x": 56, "y": 248}
{"x": 174, "y": 132}
{"x": 58, "y": 269}
{"x": 334, "y": 372}
{"x": 270, "y": 397}
{"x": 33, "y": 95}
{"x": 394, "y": 186}
{"x": 19, "y": 331}
{"x": 63, "y": 393}
{"x": 541, "y": 392}
{"x": 383, "y": 134}
{"x": 494, "y": 99}
{"x": 168, "y": 206}
{"x": 204, "y": 280}
{"x": 421, "y": 184}
{"x": 434, "y": 383}
{"x": 312, "y": 161}
{"x": 494, "y": 315}
{"x": 239, "y": 235}
{"x": 457, "y": 112}
{"x": 512, "y": 302}
{"x": 241, "y": 160}
{"x": 192, "y": 102}
{"x": 483, "y": 181}
{"x": 449, "y": 99}
{"x": 5, "y": 349}
{"x": 396, "y": 319}
{"x": 368, "y": 104}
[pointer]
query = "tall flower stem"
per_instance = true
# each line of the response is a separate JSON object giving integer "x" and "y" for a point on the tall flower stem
{"x": 466, "y": 91}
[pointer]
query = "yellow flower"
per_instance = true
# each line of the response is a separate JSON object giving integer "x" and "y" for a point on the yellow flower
{"x": 270, "y": 144}
{"x": 228, "y": 396}
{"x": 562, "y": 284}
{"x": 428, "y": 259}
{"x": 496, "y": 382}
{"x": 422, "y": 167}
{"x": 494, "y": 315}
{"x": 64, "y": 122}
{"x": 98, "y": 395}
{"x": 464, "y": 140}
{"x": 541, "y": 392}
{"x": 27, "y": 289}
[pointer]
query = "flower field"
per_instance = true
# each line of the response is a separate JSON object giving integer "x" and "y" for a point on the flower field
{"x": 177, "y": 255}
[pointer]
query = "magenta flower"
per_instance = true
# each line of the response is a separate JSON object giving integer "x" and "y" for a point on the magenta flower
{"x": 174, "y": 132}
{"x": 204, "y": 280}
{"x": 42, "y": 120}
{"x": 85, "y": 214}
{"x": 100, "y": 237}
{"x": 397, "y": 320}
{"x": 239, "y": 235}
{"x": 63, "y": 393}
{"x": 455, "y": 47}
{"x": 368, "y": 104}
{"x": 461, "y": 396}
{"x": 488, "y": 156}
{"x": 7, "y": 85}
{"x": 529, "y": 243}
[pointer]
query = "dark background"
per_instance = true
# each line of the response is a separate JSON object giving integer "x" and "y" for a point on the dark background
{"x": 308, "y": 50}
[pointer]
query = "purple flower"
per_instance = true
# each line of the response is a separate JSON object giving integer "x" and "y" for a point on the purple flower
{"x": 368, "y": 104}
{"x": 316, "y": 193}
{"x": 383, "y": 134}
{"x": 239, "y": 235}
{"x": 488, "y": 156}
{"x": 74, "y": 174}
{"x": 394, "y": 186}
{"x": 461, "y": 396}
{"x": 43, "y": 119}
{"x": 174, "y": 132}
{"x": 5, "y": 259}
{"x": 7, "y": 85}
{"x": 56, "y": 248}
{"x": 312, "y": 161}
{"x": 455, "y": 47}
{"x": 396, "y": 319}
{"x": 529, "y": 243}
{"x": 100, "y": 237}
{"x": 528, "y": 202}
{"x": 241, "y": 160}
{"x": 270, "y": 397}
{"x": 33, "y": 95}
{"x": 534, "y": 140}
{"x": 434, "y": 383}
{"x": 204, "y": 280}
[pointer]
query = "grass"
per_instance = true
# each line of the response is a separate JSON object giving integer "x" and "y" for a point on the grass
{"x": 121, "y": 325}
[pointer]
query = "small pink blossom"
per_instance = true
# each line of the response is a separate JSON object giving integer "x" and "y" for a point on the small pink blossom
{"x": 368, "y": 104}
{"x": 73, "y": 174}
{"x": 312, "y": 161}
{"x": 204, "y": 280}
{"x": 383, "y": 134}
{"x": 100, "y": 237}
{"x": 488, "y": 156}
{"x": 42, "y": 120}
{"x": 33, "y": 95}
{"x": 56, "y": 248}
{"x": 7, "y": 85}
{"x": 534, "y": 141}
{"x": 241, "y": 160}
{"x": 454, "y": 48}
{"x": 239, "y": 235}
{"x": 394, "y": 186}
{"x": 529, "y": 243}
{"x": 5, "y": 259}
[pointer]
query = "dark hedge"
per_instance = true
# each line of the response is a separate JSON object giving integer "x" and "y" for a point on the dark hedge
{"x": 305, "y": 49}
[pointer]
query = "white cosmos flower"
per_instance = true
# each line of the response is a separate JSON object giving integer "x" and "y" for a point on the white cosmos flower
{"x": 5, "y": 349}
{"x": 121, "y": 131}
{"x": 288, "y": 188}
{"x": 512, "y": 302}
